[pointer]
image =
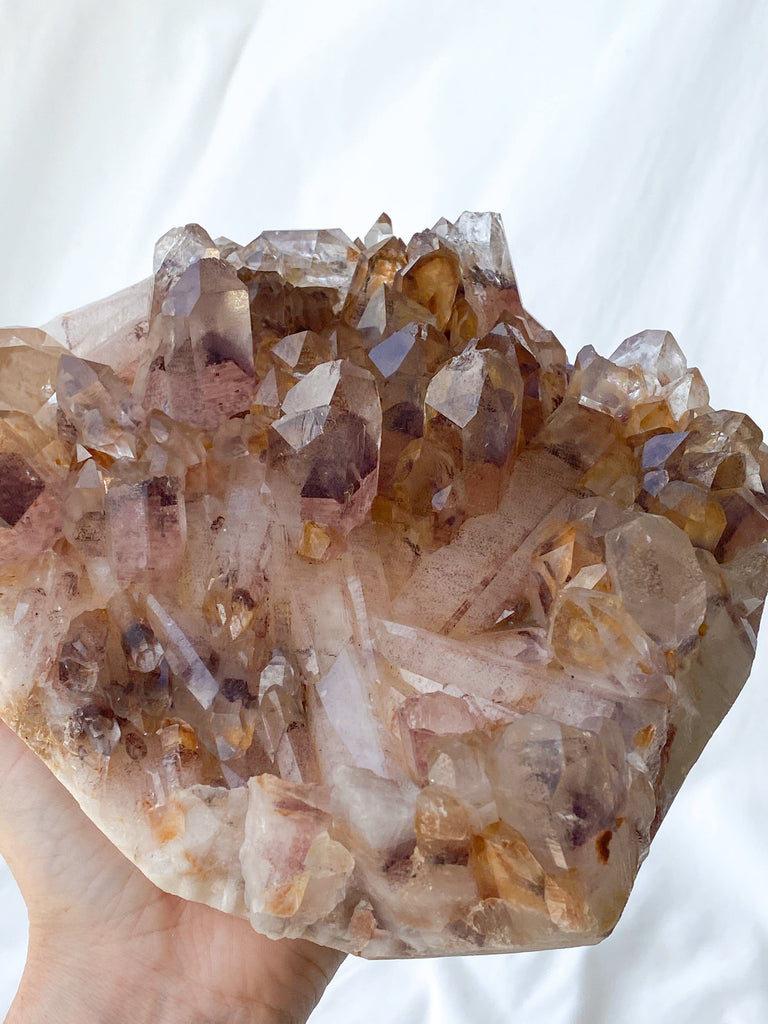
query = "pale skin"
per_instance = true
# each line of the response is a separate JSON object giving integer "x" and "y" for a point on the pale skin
{"x": 107, "y": 947}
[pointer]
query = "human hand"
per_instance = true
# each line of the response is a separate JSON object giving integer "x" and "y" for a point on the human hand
{"x": 107, "y": 945}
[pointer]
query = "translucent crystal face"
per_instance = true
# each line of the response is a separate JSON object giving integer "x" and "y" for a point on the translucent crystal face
{"x": 341, "y": 600}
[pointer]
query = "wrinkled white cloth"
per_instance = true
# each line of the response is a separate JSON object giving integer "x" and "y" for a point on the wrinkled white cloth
{"x": 625, "y": 145}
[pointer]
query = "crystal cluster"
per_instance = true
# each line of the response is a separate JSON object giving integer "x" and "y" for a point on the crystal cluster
{"x": 340, "y": 599}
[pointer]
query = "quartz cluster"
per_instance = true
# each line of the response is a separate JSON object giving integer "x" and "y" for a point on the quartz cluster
{"x": 340, "y": 599}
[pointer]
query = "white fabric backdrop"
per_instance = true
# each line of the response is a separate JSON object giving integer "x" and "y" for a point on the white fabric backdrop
{"x": 625, "y": 145}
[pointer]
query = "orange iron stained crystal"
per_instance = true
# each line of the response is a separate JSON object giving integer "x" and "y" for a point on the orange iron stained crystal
{"x": 342, "y": 601}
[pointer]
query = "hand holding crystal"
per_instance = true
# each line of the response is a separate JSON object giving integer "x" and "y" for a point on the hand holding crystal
{"x": 106, "y": 944}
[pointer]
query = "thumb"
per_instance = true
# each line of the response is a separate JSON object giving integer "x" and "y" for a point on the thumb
{"x": 53, "y": 849}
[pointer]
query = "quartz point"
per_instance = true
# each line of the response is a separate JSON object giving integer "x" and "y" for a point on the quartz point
{"x": 342, "y": 601}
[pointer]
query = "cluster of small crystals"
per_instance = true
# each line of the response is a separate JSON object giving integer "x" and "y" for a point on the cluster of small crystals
{"x": 342, "y": 600}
